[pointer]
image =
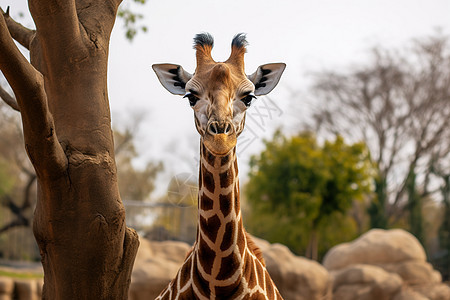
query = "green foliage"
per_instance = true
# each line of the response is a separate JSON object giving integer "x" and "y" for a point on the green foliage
{"x": 444, "y": 230}
{"x": 131, "y": 19}
{"x": 298, "y": 189}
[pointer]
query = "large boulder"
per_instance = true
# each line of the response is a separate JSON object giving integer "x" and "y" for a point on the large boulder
{"x": 297, "y": 278}
{"x": 6, "y": 288}
{"x": 395, "y": 252}
{"x": 28, "y": 289}
{"x": 365, "y": 282}
{"x": 376, "y": 247}
{"x": 155, "y": 266}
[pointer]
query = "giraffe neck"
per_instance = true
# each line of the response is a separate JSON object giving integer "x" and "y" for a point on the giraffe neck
{"x": 221, "y": 243}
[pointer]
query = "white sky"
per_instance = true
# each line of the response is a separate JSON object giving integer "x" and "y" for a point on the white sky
{"x": 307, "y": 35}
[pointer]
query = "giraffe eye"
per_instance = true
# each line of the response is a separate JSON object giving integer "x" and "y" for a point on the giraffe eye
{"x": 248, "y": 99}
{"x": 192, "y": 98}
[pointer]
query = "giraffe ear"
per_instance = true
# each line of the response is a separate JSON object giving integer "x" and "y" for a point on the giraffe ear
{"x": 172, "y": 77}
{"x": 266, "y": 77}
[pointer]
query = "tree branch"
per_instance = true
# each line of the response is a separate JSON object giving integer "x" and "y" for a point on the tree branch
{"x": 16, "y": 210}
{"x": 27, "y": 196}
{"x": 28, "y": 85}
{"x": 8, "y": 99}
{"x": 65, "y": 41}
{"x": 12, "y": 224}
{"x": 20, "y": 33}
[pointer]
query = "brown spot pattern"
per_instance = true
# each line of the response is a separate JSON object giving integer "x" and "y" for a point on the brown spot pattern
{"x": 260, "y": 274}
{"x": 225, "y": 203}
{"x": 225, "y": 292}
{"x": 210, "y": 227}
{"x": 225, "y": 159}
{"x": 269, "y": 287}
{"x": 185, "y": 272}
{"x": 206, "y": 255}
{"x": 166, "y": 296}
{"x": 206, "y": 203}
{"x": 226, "y": 178}
{"x": 208, "y": 180}
{"x": 227, "y": 240}
{"x": 228, "y": 266}
{"x": 240, "y": 238}
{"x": 201, "y": 284}
{"x": 237, "y": 206}
{"x": 250, "y": 274}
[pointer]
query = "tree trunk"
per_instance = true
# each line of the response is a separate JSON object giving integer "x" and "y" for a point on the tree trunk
{"x": 312, "y": 251}
{"x": 79, "y": 224}
{"x": 377, "y": 208}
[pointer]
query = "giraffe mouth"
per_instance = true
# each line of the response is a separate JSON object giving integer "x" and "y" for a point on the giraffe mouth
{"x": 219, "y": 144}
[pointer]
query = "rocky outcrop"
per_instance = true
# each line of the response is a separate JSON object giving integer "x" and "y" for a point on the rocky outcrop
{"x": 380, "y": 265}
{"x": 296, "y": 277}
{"x": 21, "y": 289}
{"x": 384, "y": 264}
{"x": 155, "y": 266}
{"x": 6, "y": 288}
{"x": 365, "y": 282}
{"x": 30, "y": 289}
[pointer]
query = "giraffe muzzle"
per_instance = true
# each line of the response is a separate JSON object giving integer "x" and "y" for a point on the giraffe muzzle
{"x": 220, "y": 137}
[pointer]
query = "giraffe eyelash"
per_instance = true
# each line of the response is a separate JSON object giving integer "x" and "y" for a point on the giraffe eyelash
{"x": 192, "y": 98}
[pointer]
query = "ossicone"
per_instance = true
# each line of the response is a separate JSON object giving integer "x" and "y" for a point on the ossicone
{"x": 238, "y": 49}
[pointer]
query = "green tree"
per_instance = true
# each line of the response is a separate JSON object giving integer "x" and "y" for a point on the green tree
{"x": 299, "y": 189}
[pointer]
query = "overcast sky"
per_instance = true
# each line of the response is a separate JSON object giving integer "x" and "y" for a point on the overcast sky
{"x": 308, "y": 36}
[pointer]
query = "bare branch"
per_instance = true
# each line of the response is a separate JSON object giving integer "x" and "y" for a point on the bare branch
{"x": 12, "y": 224}
{"x": 20, "y": 33}
{"x": 26, "y": 197}
{"x": 28, "y": 85}
{"x": 8, "y": 99}
{"x": 16, "y": 210}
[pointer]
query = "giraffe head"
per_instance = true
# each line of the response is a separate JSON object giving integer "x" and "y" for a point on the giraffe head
{"x": 219, "y": 92}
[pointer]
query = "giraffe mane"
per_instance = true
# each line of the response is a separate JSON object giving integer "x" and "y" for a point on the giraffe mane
{"x": 255, "y": 249}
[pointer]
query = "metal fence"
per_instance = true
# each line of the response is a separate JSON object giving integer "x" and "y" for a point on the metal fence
{"x": 156, "y": 221}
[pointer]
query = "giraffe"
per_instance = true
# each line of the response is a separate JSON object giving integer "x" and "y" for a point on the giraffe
{"x": 224, "y": 262}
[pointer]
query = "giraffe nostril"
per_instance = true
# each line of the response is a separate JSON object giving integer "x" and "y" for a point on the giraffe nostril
{"x": 227, "y": 129}
{"x": 220, "y": 128}
{"x": 212, "y": 128}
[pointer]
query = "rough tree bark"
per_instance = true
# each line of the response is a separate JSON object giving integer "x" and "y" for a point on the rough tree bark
{"x": 79, "y": 224}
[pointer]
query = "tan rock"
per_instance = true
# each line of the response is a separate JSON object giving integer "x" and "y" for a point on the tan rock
{"x": 156, "y": 265}
{"x": 27, "y": 289}
{"x": 395, "y": 252}
{"x": 438, "y": 291}
{"x": 408, "y": 294}
{"x": 365, "y": 282}
{"x": 375, "y": 247}
{"x": 414, "y": 272}
{"x": 297, "y": 278}
{"x": 358, "y": 292}
{"x": 6, "y": 288}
